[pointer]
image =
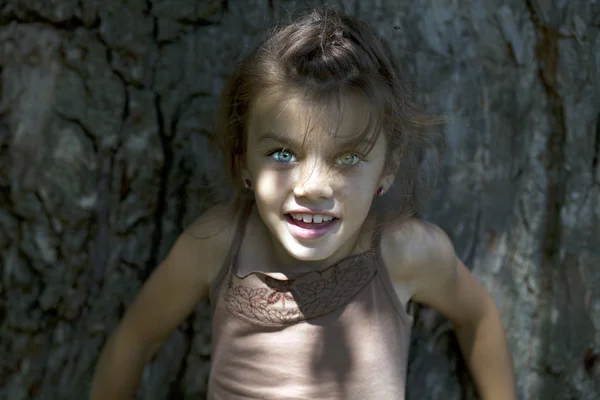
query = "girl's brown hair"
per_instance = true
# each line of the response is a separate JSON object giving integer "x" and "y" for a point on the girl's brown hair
{"x": 321, "y": 57}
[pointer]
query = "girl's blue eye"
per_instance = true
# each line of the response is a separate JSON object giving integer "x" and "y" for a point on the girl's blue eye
{"x": 283, "y": 156}
{"x": 348, "y": 160}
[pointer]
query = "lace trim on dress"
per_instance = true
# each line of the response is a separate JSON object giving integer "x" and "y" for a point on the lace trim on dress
{"x": 263, "y": 300}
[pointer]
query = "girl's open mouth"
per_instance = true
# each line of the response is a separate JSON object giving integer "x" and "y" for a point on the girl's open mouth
{"x": 310, "y": 226}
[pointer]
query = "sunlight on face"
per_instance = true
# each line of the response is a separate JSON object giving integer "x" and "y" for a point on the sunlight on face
{"x": 312, "y": 196}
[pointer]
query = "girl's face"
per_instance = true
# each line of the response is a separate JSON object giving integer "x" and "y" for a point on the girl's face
{"x": 312, "y": 197}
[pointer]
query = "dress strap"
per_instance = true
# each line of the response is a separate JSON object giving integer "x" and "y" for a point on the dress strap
{"x": 377, "y": 232}
{"x": 234, "y": 248}
{"x": 239, "y": 234}
{"x": 407, "y": 310}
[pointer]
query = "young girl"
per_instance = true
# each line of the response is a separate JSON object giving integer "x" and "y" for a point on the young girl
{"x": 308, "y": 278}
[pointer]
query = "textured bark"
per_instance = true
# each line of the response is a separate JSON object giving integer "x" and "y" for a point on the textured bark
{"x": 104, "y": 110}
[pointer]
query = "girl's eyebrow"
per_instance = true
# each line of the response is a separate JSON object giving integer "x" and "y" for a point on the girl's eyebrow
{"x": 343, "y": 145}
{"x": 277, "y": 137}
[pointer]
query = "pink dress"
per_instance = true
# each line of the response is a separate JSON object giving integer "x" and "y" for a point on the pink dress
{"x": 340, "y": 333}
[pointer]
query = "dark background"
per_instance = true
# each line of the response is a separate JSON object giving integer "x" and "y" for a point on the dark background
{"x": 105, "y": 106}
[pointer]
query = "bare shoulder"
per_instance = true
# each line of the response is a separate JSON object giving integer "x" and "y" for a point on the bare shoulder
{"x": 421, "y": 258}
{"x": 201, "y": 248}
{"x": 180, "y": 282}
{"x": 417, "y": 251}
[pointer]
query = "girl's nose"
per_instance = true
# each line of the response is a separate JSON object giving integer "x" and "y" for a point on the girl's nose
{"x": 314, "y": 184}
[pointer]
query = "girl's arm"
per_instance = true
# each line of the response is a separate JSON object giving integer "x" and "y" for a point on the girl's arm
{"x": 425, "y": 257}
{"x": 166, "y": 299}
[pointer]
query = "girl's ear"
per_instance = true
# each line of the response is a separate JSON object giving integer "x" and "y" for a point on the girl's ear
{"x": 240, "y": 163}
{"x": 386, "y": 181}
{"x": 244, "y": 173}
{"x": 390, "y": 171}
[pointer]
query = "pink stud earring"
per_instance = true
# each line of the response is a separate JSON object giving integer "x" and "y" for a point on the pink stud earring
{"x": 380, "y": 191}
{"x": 248, "y": 183}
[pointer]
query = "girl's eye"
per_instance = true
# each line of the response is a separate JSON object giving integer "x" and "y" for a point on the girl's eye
{"x": 283, "y": 156}
{"x": 348, "y": 160}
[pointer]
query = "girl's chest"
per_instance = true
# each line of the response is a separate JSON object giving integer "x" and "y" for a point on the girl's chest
{"x": 358, "y": 348}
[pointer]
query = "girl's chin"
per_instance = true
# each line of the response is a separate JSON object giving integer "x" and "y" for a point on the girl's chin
{"x": 305, "y": 253}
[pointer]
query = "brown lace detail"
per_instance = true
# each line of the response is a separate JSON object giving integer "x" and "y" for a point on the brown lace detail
{"x": 263, "y": 300}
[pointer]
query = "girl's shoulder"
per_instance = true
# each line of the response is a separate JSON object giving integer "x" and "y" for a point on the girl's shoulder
{"x": 421, "y": 260}
{"x": 181, "y": 280}
{"x": 203, "y": 246}
{"x": 414, "y": 250}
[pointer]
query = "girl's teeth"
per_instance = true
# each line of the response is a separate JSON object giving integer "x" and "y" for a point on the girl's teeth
{"x": 308, "y": 218}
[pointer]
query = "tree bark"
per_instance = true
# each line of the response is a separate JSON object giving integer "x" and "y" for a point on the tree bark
{"x": 104, "y": 111}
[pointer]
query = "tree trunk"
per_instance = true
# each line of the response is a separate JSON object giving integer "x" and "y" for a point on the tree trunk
{"x": 104, "y": 111}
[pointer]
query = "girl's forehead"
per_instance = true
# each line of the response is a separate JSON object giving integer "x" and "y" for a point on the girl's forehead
{"x": 291, "y": 117}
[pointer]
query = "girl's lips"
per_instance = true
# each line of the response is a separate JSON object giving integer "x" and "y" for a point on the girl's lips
{"x": 307, "y": 231}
